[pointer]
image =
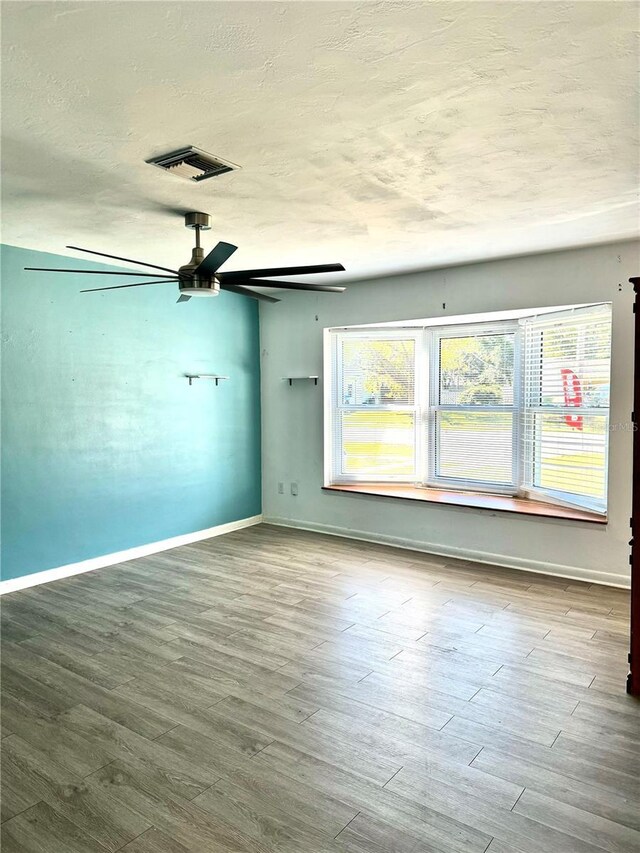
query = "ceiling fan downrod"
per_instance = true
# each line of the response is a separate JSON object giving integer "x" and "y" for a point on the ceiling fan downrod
{"x": 192, "y": 284}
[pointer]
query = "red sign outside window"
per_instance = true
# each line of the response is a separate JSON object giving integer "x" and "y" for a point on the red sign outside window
{"x": 572, "y": 396}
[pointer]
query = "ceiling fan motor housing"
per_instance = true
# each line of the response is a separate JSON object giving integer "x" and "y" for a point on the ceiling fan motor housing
{"x": 198, "y": 220}
{"x": 197, "y": 285}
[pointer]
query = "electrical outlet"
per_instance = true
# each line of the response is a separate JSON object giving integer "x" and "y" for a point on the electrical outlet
{"x": 294, "y": 489}
{"x": 281, "y": 488}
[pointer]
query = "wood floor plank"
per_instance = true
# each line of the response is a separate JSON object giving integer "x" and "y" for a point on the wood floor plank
{"x": 282, "y": 795}
{"x": 425, "y": 775}
{"x": 49, "y": 734}
{"x": 235, "y": 734}
{"x": 43, "y": 622}
{"x": 452, "y": 834}
{"x": 90, "y": 667}
{"x": 621, "y": 718}
{"x": 155, "y": 841}
{"x": 319, "y": 741}
{"x": 590, "y": 797}
{"x": 554, "y": 708}
{"x": 26, "y": 774}
{"x": 604, "y": 833}
{"x": 152, "y": 756}
{"x": 354, "y": 707}
{"x": 365, "y": 834}
{"x": 178, "y": 818}
{"x": 41, "y": 829}
{"x": 233, "y": 648}
{"x": 437, "y": 686}
{"x": 320, "y": 671}
{"x": 289, "y": 705}
{"x": 110, "y": 824}
{"x": 430, "y": 749}
{"x": 44, "y": 699}
{"x": 275, "y": 683}
{"x": 260, "y": 782}
{"x": 537, "y": 726}
{"x": 171, "y": 694}
{"x": 592, "y": 765}
{"x": 530, "y": 835}
{"x": 282, "y": 690}
{"x": 13, "y": 632}
{"x": 605, "y": 754}
{"x": 234, "y": 664}
{"x": 79, "y": 690}
{"x": 498, "y": 846}
{"x": 623, "y": 740}
{"x": 268, "y": 826}
{"x": 347, "y": 650}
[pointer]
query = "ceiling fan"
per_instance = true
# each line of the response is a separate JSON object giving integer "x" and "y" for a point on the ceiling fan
{"x": 200, "y": 277}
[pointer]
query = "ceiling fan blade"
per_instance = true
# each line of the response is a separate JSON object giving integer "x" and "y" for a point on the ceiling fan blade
{"x": 295, "y": 285}
{"x": 99, "y": 272}
{"x": 241, "y": 275}
{"x": 137, "y": 284}
{"x": 184, "y": 297}
{"x": 244, "y": 291}
{"x": 128, "y": 260}
{"x": 216, "y": 257}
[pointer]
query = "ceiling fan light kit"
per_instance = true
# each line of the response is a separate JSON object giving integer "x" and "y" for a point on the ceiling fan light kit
{"x": 200, "y": 277}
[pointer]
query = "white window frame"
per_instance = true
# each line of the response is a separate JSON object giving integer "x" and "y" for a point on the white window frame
{"x": 433, "y": 480}
{"x": 337, "y": 407}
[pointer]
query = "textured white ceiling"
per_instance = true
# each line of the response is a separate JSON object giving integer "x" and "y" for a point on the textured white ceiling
{"x": 386, "y": 135}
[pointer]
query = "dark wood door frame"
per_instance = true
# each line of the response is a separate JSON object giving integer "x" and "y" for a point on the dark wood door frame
{"x": 633, "y": 679}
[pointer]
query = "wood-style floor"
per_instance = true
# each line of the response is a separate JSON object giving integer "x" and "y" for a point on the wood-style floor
{"x": 275, "y": 690}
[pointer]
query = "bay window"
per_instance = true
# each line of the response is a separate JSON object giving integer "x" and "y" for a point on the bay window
{"x": 517, "y": 407}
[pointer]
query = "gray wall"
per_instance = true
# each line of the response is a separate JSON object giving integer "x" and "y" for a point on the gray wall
{"x": 291, "y": 341}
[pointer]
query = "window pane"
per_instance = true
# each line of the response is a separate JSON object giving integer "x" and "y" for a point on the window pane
{"x": 378, "y": 443}
{"x": 477, "y": 370}
{"x": 568, "y": 362}
{"x": 475, "y": 446}
{"x": 376, "y": 372}
{"x": 569, "y": 454}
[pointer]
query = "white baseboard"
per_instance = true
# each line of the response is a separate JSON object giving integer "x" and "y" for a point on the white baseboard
{"x": 575, "y": 573}
{"x": 553, "y": 569}
{"x": 49, "y": 575}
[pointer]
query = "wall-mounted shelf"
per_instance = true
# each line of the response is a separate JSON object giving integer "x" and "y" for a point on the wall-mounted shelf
{"x": 291, "y": 379}
{"x": 214, "y": 376}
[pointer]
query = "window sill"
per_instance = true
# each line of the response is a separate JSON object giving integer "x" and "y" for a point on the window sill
{"x": 501, "y": 503}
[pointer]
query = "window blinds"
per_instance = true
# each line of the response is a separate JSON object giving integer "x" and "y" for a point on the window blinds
{"x": 474, "y": 448}
{"x": 567, "y": 359}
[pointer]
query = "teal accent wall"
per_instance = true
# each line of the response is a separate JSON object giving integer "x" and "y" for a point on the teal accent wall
{"x": 105, "y": 446}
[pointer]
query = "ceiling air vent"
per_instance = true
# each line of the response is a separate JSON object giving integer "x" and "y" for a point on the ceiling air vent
{"x": 192, "y": 164}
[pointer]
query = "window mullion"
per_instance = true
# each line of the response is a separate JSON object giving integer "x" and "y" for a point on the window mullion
{"x": 422, "y": 385}
{"x": 434, "y": 390}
